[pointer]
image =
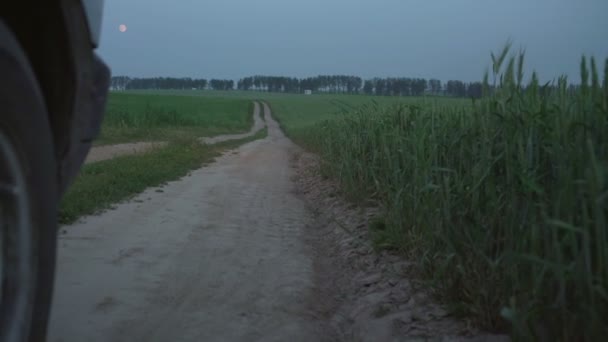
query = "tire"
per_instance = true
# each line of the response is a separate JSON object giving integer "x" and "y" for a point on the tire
{"x": 28, "y": 227}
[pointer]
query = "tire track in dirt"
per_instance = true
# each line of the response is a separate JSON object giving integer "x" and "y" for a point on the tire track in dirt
{"x": 100, "y": 153}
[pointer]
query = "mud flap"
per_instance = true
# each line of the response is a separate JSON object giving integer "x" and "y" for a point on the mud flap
{"x": 90, "y": 107}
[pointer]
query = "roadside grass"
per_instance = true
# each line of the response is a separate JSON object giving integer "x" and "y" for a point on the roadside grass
{"x": 102, "y": 184}
{"x": 262, "y": 111}
{"x": 503, "y": 202}
{"x": 151, "y": 117}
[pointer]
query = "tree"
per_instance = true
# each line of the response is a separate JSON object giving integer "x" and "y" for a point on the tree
{"x": 456, "y": 88}
{"x": 418, "y": 86}
{"x": 221, "y": 84}
{"x": 475, "y": 90}
{"x": 119, "y": 82}
{"x": 435, "y": 86}
{"x": 368, "y": 87}
{"x": 380, "y": 86}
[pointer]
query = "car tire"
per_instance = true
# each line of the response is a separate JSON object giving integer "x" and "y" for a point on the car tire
{"x": 27, "y": 157}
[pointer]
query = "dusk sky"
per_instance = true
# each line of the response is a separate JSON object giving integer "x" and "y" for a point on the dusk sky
{"x": 444, "y": 39}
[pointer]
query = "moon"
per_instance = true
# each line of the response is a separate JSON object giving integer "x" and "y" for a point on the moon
{"x": 122, "y": 28}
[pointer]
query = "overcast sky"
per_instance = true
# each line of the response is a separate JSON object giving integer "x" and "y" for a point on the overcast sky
{"x": 445, "y": 39}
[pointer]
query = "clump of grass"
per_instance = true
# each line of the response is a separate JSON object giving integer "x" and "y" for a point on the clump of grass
{"x": 504, "y": 204}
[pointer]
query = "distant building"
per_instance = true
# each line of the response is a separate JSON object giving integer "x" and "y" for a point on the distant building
{"x": 307, "y": 92}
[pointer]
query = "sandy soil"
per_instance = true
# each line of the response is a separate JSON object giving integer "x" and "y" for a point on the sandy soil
{"x": 100, "y": 153}
{"x": 254, "y": 247}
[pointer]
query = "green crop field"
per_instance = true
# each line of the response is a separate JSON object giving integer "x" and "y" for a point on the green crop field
{"x": 300, "y": 115}
{"x": 503, "y": 202}
{"x": 147, "y": 117}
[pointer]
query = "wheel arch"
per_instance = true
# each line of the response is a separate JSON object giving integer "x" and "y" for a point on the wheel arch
{"x": 56, "y": 38}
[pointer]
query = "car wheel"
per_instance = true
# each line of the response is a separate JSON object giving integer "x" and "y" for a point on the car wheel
{"x": 28, "y": 198}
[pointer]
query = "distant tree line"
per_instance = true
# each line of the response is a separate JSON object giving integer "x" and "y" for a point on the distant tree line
{"x": 338, "y": 84}
{"x": 396, "y": 86}
{"x": 325, "y": 83}
{"x": 355, "y": 85}
{"x": 128, "y": 83}
{"x": 405, "y": 86}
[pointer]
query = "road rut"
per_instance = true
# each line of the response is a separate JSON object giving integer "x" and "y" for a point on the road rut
{"x": 219, "y": 255}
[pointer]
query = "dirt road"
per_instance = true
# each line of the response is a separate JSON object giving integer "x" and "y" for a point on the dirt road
{"x": 100, "y": 153}
{"x": 254, "y": 247}
{"x": 216, "y": 256}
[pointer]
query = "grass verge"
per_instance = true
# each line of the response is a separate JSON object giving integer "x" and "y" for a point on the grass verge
{"x": 102, "y": 184}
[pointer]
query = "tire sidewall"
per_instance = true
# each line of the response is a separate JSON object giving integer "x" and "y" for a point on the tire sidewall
{"x": 24, "y": 119}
